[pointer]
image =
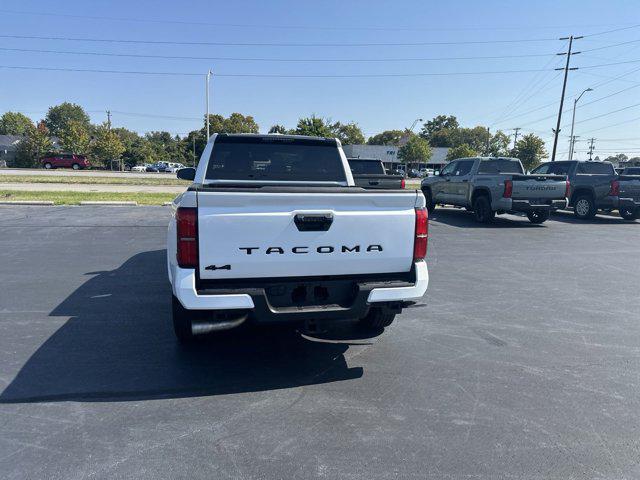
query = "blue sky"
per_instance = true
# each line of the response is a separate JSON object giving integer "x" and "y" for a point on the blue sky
{"x": 525, "y": 33}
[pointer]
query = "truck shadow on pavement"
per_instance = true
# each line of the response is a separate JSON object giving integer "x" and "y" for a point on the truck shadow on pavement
{"x": 457, "y": 217}
{"x": 612, "y": 218}
{"x": 118, "y": 345}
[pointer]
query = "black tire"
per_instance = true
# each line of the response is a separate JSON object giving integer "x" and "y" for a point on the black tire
{"x": 181, "y": 321}
{"x": 482, "y": 209}
{"x": 584, "y": 207}
{"x": 75, "y": 166}
{"x": 629, "y": 213}
{"x": 48, "y": 166}
{"x": 377, "y": 319}
{"x": 538, "y": 216}
{"x": 429, "y": 200}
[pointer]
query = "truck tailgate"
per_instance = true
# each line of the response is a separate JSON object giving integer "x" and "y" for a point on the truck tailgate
{"x": 630, "y": 186}
{"x": 260, "y": 234}
{"x": 542, "y": 187}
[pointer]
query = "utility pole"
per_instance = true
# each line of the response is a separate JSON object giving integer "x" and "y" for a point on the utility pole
{"x": 515, "y": 136}
{"x": 591, "y": 140}
{"x": 207, "y": 95}
{"x": 572, "y": 145}
{"x": 194, "y": 150}
{"x": 488, "y": 142}
{"x": 564, "y": 89}
{"x": 109, "y": 129}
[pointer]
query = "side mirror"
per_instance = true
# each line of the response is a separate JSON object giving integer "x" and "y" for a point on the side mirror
{"x": 188, "y": 173}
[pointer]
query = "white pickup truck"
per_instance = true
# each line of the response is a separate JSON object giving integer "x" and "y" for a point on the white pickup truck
{"x": 273, "y": 230}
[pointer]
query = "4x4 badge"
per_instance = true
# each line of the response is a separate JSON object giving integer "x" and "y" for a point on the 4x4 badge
{"x": 213, "y": 267}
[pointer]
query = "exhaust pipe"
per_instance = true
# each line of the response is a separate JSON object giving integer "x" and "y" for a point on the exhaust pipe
{"x": 201, "y": 327}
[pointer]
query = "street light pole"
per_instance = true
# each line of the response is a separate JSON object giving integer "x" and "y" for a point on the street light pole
{"x": 573, "y": 121}
{"x": 207, "y": 89}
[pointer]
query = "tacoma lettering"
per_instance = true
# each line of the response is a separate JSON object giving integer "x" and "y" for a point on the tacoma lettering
{"x": 321, "y": 249}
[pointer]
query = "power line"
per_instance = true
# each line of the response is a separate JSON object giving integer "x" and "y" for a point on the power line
{"x": 266, "y": 44}
{"x": 613, "y": 125}
{"x": 611, "y": 46}
{"x": 611, "y": 31}
{"x": 609, "y": 113}
{"x": 512, "y": 104}
{"x": 272, "y": 59}
{"x": 267, "y": 75}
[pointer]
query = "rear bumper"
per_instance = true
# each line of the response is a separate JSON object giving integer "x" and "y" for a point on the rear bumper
{"x": 608, "y": 202}
{"x": 255, "y": 299}
{"x": 529, "y": 205}
{"x": 629, "y": 203}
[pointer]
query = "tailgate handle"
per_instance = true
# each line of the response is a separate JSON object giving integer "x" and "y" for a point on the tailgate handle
{"x": 307, "y": 222}
{"x": 374, "y": 182}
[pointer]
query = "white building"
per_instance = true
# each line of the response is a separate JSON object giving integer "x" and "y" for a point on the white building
{"x": 389, "y": 155}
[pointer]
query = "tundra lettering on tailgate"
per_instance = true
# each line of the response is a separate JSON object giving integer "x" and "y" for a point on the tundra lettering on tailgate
{"x": 320, "y": 249}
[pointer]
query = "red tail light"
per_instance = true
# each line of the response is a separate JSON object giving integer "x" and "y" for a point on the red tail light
{"x": 422, "y": 232}
{"x": 187, "y": 229}
{"x": 567, "y": 189}
{"x": 402, "y": 183}
{"x": 508, "y": 189}
{"x": 615, "y": 188}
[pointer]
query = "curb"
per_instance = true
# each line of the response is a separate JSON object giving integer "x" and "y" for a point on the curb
{"x": 167, "y": 204}
{"x": 112, "y": 203}
{"x": 26, "y": 202}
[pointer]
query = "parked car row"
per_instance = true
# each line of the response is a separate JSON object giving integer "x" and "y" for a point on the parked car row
{"x": 78, "y": 162}
{"x": 490, "y": 186}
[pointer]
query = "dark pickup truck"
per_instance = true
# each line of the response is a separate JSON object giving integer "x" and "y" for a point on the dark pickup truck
{"x": 370, "y": 173}
{"x": 596, "y": 186}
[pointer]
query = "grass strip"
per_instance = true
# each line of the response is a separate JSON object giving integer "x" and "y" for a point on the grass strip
{"x": 74, "y": 198}
{"x": 169, "y": 180}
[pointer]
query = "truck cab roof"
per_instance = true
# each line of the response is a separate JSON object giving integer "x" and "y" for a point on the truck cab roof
{"x": 272, "y": 137}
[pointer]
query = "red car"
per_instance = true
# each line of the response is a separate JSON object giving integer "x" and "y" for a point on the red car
{"x": 65, "y": 160}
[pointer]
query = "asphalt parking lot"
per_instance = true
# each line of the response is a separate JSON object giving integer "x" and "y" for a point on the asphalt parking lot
{"x": 523, "y": 361}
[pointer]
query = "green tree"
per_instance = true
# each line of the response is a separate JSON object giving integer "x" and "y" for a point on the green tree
{"x": 238, "y": 123}
{"x": 388, "y": 137}
{"x": 58, "y": 118}
{"x": 34, "y": 146}
{"x": 74, "y": 137}
{"x": 616, "y": 159}
{"x": 348, "y": 133}
{"x": 437, "y": 124}
{"x": 416, "y": 150}
{"x": 108, "y": 146}
{"x": 15, "y": 123}
{"x": 461, "y": 151}
{"x": 314, "y": 127}
{"x": 499, "y": 144}
{"x": 197, "y": 137}
{"x": 477, "y": 138}
{"x": 235, "y": 123}
{"x": 530, "y": 150}
{"x": 278, "y": 129}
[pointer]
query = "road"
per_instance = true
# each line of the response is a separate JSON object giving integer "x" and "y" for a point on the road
{"x": 521, "y": 362}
